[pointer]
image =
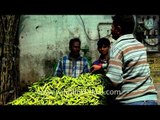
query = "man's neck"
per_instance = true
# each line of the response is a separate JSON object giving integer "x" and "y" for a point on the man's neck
{"x": 104, "y": 57}
{"x": 74, "y": 56}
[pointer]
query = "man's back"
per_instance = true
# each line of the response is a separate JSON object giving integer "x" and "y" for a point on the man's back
{"x": 128, "y": 65}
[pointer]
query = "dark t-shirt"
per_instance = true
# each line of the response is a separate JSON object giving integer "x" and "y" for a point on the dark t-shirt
{"x": 98, "y": 62}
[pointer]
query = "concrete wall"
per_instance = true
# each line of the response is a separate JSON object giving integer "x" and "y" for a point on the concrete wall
{"x": 44, "y": 39}
{"x": 154, "y": 61}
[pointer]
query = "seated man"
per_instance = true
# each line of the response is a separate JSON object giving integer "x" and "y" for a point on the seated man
{"x": 72, "y": 64}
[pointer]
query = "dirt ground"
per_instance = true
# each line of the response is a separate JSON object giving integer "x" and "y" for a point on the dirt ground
{"x": 157, "y": 85}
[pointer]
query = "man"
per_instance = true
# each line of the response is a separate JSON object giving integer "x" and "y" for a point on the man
{"x": 73, "y": 64}
{"x": 128, "y": 67}
{"x": 103, "y": 46}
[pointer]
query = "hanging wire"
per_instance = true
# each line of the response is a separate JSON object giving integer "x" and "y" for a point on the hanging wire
{"x": 84, "y": 28}
{"x": 98, "y": 30}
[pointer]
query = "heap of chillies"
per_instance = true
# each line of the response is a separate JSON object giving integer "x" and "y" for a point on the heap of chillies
{"x": 87, "y": 89}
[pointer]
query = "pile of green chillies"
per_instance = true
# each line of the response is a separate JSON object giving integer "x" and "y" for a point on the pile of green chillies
{"x": 87, "y": 89}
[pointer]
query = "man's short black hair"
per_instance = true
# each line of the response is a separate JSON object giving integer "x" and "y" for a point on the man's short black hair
{"x": 127, "y": 23}
{"x": 74, "y": 40}
{"x": 103, "y": 41}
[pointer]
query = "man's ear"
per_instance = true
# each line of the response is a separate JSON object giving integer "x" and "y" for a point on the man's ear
{"x": 118, "y": 29}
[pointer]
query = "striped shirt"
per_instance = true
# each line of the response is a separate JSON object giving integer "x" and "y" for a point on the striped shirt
{"x": 72, "y": 67}
{"x": 128, "y": 66}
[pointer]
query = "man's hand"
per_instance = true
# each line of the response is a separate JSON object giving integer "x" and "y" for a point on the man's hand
{"x": 95, "y": 68}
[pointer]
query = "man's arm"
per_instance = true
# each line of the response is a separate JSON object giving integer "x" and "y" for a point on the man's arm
{"x": 98, "y": 67}
{"x": 59, "y": 70}
{"x": 86, "y": 68}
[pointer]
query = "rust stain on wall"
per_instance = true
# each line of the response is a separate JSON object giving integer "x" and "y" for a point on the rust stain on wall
{"x": 154, "y": 62}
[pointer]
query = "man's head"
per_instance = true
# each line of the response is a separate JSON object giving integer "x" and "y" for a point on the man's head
{"x": 74, "y": 46}
{"x": 122, "y": 24}
{"x": 103, "y": 46}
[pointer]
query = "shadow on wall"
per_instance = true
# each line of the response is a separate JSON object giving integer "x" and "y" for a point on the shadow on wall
{"x": 49, "y": 67}
{"x": 49, "y": 62}
{"x": 27, "y": 80}
{"x": 32, "y": 76}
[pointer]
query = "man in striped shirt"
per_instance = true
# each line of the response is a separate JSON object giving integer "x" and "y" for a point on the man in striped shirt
{"x": 72, "y": 64}
{"x": 128, "y": 67}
